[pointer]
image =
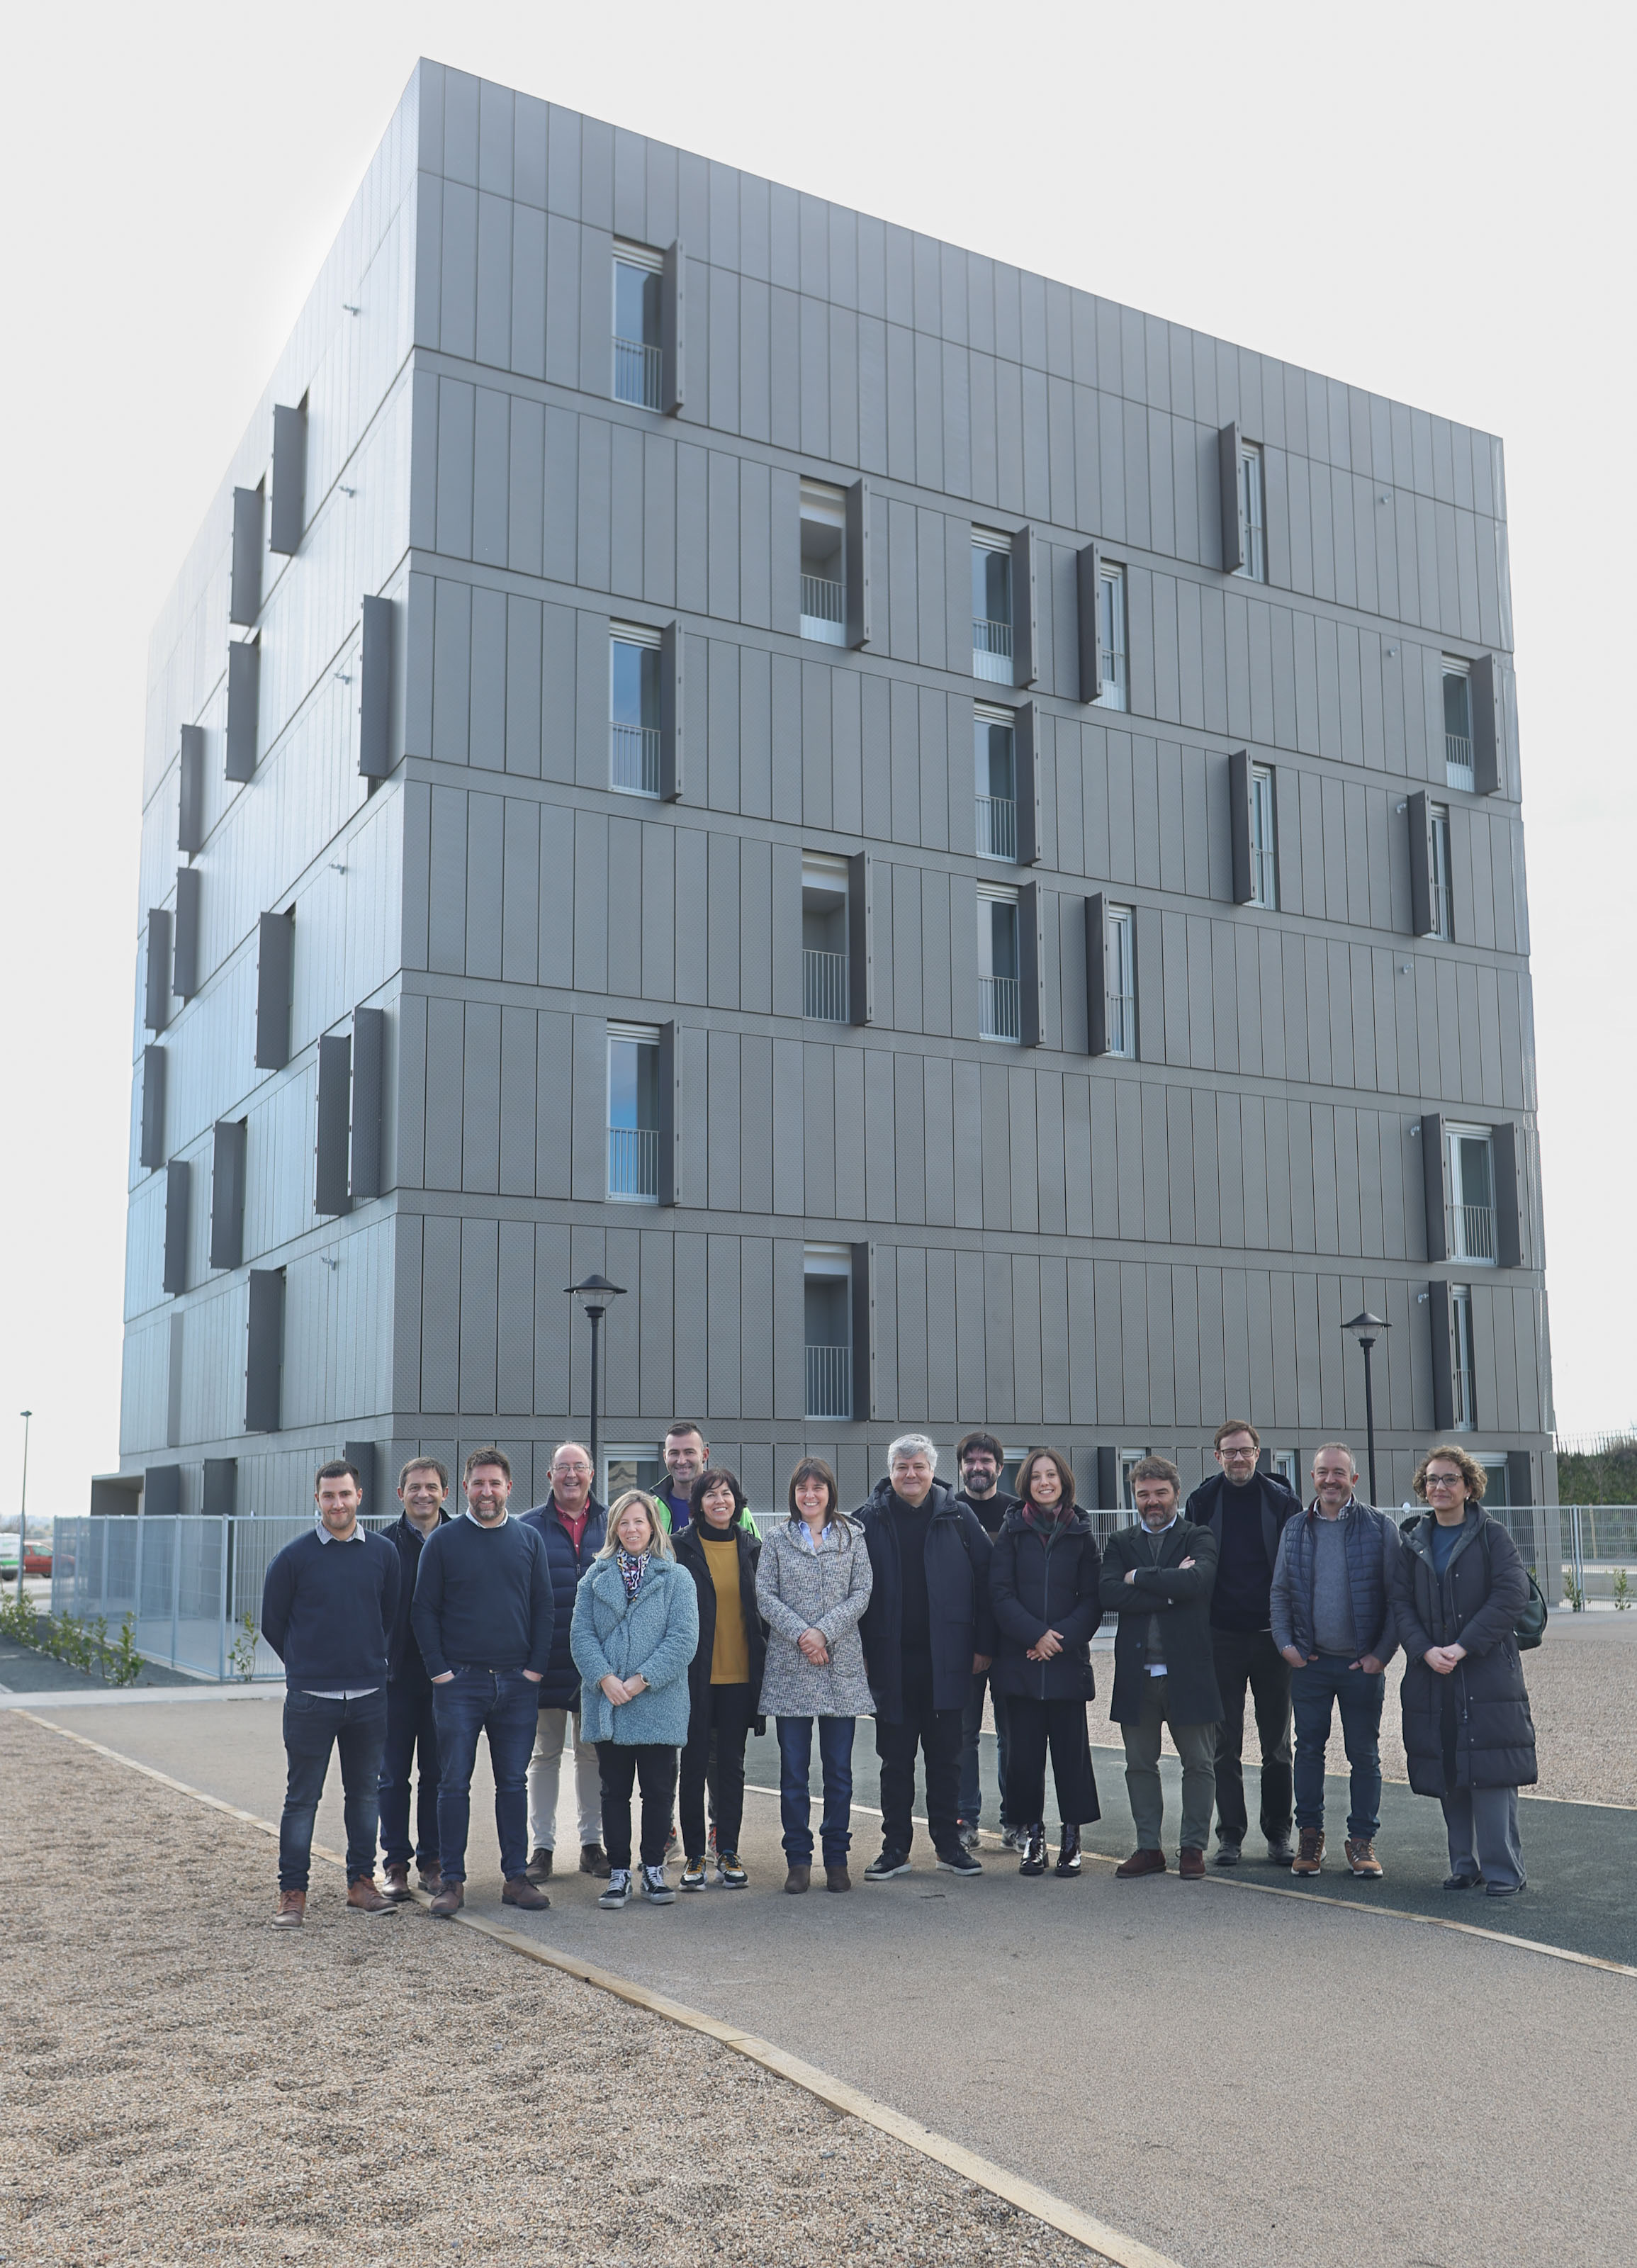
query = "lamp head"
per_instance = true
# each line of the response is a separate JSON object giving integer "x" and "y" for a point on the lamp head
{"x": 593, "y": 1296}
{"x": 1366, "y": 1328}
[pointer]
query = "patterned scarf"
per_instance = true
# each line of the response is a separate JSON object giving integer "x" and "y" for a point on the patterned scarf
{"x": 632, "y": 1571}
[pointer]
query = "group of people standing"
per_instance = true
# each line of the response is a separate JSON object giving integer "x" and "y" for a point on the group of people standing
{"x": 656, "y": 1635}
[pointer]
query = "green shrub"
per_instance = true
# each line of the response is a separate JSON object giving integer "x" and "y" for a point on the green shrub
{"x": 1609, "y": 1478}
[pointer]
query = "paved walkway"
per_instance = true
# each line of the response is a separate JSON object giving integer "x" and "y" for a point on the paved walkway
{"x": 1242, "y": 2082}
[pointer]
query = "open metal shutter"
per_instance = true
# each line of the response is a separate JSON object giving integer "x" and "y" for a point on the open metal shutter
{"x": 151, "y": 1152}
{"x": 368, "y": 1096}
{"x": 1239, "y": 825}
{"x": 244, "y": 708}
{"x": 1025, "y": 606}
{"x": 1227, "y": 477}
{"x": 274, "y": 973}
{"x": 157, "y": 990}
{"x": 227, "y": 1193}
{"x": 264, "y": 1350}
{"x": 290, "y": 478}
{"x": 861, "y": 937}
{"x": 185, "y": 953}
{"x": 1434, "y": 1176}
{"x": 1511, "y": 1193}
{"x": 1088, "y": 573}
{"x": 330, "y": 1191}
{"x": 190, "y": 792}
{"x": 244, "y": 602}
{"x": 1484, "y": 689}
{"x": 863, "y": 1299}
{"x": 858, "y": 610}
{"x": 375, "y": 691}
{"x": 1097, "y": 975}
{"x": 178, "y": 1178}
{"x": 1423, "y": 922}
{"x": 673, "y": 331}
{"x": 672, "y": 713}
{"x": 1443, "y": 1357}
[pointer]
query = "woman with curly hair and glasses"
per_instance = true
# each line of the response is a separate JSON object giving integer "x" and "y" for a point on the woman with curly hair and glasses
{"x": 1459, "y": 1587}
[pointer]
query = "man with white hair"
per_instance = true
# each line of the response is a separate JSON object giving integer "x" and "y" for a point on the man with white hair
{"x": 927, "y": 1632}
{"x": 571, "y": 1524}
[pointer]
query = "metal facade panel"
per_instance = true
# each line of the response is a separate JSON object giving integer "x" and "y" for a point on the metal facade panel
{"x": 190, "y": 819}
{"x": 185, "y": 953}
{"x": 274, "y": 974}
{"x": 1095, "y": 914}
{"x": 673, "y": 714}
{"x": 1485, "y": 685}
{"x": 1511, "y": 1193}
{"x": 1087, "y": 592}
{"x": 376, "y": 682}
{"x": 264, "y": 1351}
{"x": 156, "y": 1009}
{"x": 860, "y": 611}
{"x": 244, "y": 602}
{"x": 1443, "y": 1350}
{"x": 227, "y": 1192}
{"x": 244, "y": 708}
{"x": 367, "y": 1178}
{"x": 1434, "y": 1180}
{"x": 150, "y": 1148}
{"x": 1423, "y": 920}
{"x": 1026, "y": 729}
{"x": 330, "y": 1192}
{"x": 1025, "y": 606}
{"x": 289, "y": 517}
{"x": 178, "y": 1180}
{"x": 861, "y": 936}
{"x": 1228, "y": 488}
{"x": 673, "y": 331}
{"x": 220, "y": 1499}
{"x": 1239, "y": 825}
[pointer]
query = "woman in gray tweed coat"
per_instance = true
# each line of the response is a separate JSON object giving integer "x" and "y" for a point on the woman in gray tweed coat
{"x": 812, "y": 1583}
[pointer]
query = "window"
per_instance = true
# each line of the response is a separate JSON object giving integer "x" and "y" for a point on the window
{"x": 826, "y": 1309}
{"x": 634, "y": 710}
{"x": 1472, "y": 1193}
{"x": 995, "y": 747}
{"x": 639, "y": 289}
{"x": 1442, "y": 924}
{"x": 1110, "y": 617}
{"x": 1119, "y": 973}
{"x": 630, "y": 1468}
{"x": 1128, "y": 1458}
{"x": 992, "y": 608}
{"x": 826, "y": 992}
{"x": 1462, "y": 1398}
{"x": 1458, "y": 725}
{"x": 633, "y": 1113}
{"x": 1264, "y": 857}
{"x": 1284, "y": 1464}
{"x": 1000, "y": 1004}
{"x": 1253, "y": 542}
{"x": 824, "y": 563}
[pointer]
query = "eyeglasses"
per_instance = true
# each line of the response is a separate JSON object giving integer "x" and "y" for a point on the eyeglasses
{"x": 1443, "y": 1480}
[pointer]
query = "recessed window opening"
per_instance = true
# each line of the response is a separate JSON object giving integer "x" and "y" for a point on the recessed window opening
{"x": 1458, "y": 725}
{"x": 633, "y": 1113}
{"x": 1111, "y": 604}
{"x": 1462, "y": 1384}
{"x": 992, "y": 606}
{"x": 638, "y": 309}
{"x": 824, "y": 563}
{"x": 1252, "y": 540}
{"x": 825, "y": 988}
{"x": 1000, "y": 1004}
{"x": 634, "y": 717}
{"x": 1442, "y": 912}
{"x": 1119, "y": 963}
{"x": 826, "y": 1308}
{"x": 1264, "y": 858}
{"x": 1471, "y": 1183}
{"x": 996, "y": 751}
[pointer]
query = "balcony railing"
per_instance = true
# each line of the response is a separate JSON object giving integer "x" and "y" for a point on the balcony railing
{"x": 825, "y": 990}
{"x": 1000, "y": 1015}
{"x": 824, "y": 609}
{"x": 997, "y": 827}
{"x": 633, "y": 758}
{"x": 1264, "y": 879}
{"x": 1458, "y": 757}
{"x": 1473, "y": 1231}
{"x": 636, "y": 374}
{"x": 1461, "y": 1385}
{"x": 1440, "y": 910}
{"x": 1122, "y": 1023}
{"x": 829, "y": 1381}
{"x": 1113, "y": 693}
{"x": 992, "y": 651}
{"x": 632, "y": 1161}
{"x": 1255, "y": 567}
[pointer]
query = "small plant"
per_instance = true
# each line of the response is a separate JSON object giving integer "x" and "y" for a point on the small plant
{"x": 1622, "y": 1593}
{"x": 1573, "y": 1592}
{"x": 123, "y": 1665}
{"x": 18, "y": 1619}
{"x": 81, "y": 1645}
{"x": 242, "y": 1657}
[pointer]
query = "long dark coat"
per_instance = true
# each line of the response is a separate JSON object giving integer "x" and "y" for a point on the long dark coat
{"x": 1181, "y": 1597}
{"x": 1035, "y": 1586}
{"x": 1471, "y": 1728}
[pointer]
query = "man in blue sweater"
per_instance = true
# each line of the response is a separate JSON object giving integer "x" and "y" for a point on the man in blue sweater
{"x": 328, "y": 1609}
{"x": 482, "y": 1617}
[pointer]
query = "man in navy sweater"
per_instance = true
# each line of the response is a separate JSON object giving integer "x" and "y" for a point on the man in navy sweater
{"x": 422, "y": 1490}
{"x": 482, "y": 1617}
{"x": 328, "y": 1608}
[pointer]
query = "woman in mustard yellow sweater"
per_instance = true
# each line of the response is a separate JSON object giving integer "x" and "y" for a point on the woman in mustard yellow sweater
{"x": 720, "y": 1549}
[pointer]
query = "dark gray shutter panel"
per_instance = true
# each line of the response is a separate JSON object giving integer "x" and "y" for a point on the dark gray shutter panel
{"x": 1031, "y": 964}
{"x": 227, "y": 1193}
{"x": 151, "y": 1152}
{"x": 673, "y": 331}
{"x": 290, "y": 478}
{"x": 330, "y": 1193}
{"x": 366, "y": 1457}
{"x": 1264, "y": 1460}
{"x": 274, "y": 974}
{"x": 162, "y": 1493}
{"x": 858, "y": 564}
{"x": 177, "y": 1178}
{"x": 1090, "y": 589}
{"x": 185, "y": 956}
{"x": 1443, "y": 1357}
{"x": 1520, "y": 1487}
{"x": 190, "y": 793}
{"x": 671, "y": 1171}
{"x": 1239, "y": 825}
{"x": 244, "y": 707}
{"x": 1096, "y": 975}
{"x": 157, "y": 1010}
{"x": 1423, "y": 921}
{"x": 368, "y": 1096}
{"x": 672, "y": 713}
{"x": 244, "y": 601}
{"x": 1026, "y": 772}
{"x": 1484, "y": 689}
{"x": 1227, "y": 474}
{"x": 221, "y": 1487}
{"x": 375, "y": 691}
{"x": 1025, "y": 608}
{"x": 861, "y": 937}
{"x": 264, "y": 1350}
{"x": 863, "y": 1295}
{"x": 1511, "y": 1197}
{"x": 1433, "y": 1176}
{"x": 1108, "y": 1480}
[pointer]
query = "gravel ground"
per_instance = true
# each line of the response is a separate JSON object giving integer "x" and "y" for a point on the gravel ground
{"x": 183, "y": 2084}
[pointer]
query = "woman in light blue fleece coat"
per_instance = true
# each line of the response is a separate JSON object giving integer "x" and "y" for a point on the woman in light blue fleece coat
{"x": 634, "y": 1631}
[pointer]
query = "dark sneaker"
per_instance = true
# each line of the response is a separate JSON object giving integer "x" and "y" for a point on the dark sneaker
{"x": 968, "y": 1833}
{"x": 1505, "y": 1889}
{"x": 692, "y": 1875}
{"x": 733, "y": 1874}
{"x": 618, "y": 1891}
{"x": 594, "y": 1860}
{"x": 656, "y": 1889}
{"x": 539, "y": 1869}
{"x": 883, "y": 1868}
{"x": 1014, "y": 1838}
{"x": 1227, "y": 1855}
{"x": 1310, "y": 1860}
{"x": 956, "y": 1860}
{"x": 1280, "y": 1853}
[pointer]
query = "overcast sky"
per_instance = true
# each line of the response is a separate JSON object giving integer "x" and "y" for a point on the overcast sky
{"x": 1432, "y": 202}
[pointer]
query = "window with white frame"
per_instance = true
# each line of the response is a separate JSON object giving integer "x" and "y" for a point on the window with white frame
{"x": 991, "y": 605}
{"x": 1471, "y": 1181}
{"x": 633, "y": 1113}
{"x": 1285, "y": 1465}
{"x": 1443, "y": 911}
{"x": 634, "y": 721}
{"x": 630, "y": 1466}
{"x": 1253, "y": 538}
{"x": 826, "y": 994}
{"x": 827, "y": 1329}
{"x": 1458, "y": 723}
{"x": 1119, "y": 976}
{"x": 1264, "y": 851}
{"x": 1000, "y": 1001}
{"x": 1110, "y": 610}
{"x": 1129, "y": 1460}
{"x": 638, "y": 312}
{"x": 1464, "y": 1398}
{"x": 824, "y": 563}
{"x": 996, "y": 751}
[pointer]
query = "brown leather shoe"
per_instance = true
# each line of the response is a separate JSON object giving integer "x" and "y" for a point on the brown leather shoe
{"x": 292, "y": 1909}
{"x": 798, "y": 1878}
{"x": 519, "y": 1892}
{"x": 837, "y": 1878}
{"x": 1141, "y": 1862}
{"x": 363, "y": 1896}
{"x": 449, "y": 1901}
{"x": 398, "y": 1885}
{"x": 539, "y": 1869}
{"x": 594, "y": 1861}
{"x": 1191, "y": 1863}
{"x": 1361, "y": 1856}
{"x": 1309, "y": 1858}
{"x": 432, "y": 1877}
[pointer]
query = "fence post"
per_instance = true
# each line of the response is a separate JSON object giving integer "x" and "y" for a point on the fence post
{"x": 220, "y": 1650}
{"x": 176, "y": 1586}
{"x": 1551, "y": 1572}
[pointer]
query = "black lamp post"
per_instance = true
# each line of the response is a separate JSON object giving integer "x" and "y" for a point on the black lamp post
{"x": 592, "y": 1297}
{"x": 1365, "y": 1328}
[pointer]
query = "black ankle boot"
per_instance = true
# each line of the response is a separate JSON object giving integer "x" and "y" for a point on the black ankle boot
{"x": 1068, "y": 1852}
{"x": 1033, "y": 1860}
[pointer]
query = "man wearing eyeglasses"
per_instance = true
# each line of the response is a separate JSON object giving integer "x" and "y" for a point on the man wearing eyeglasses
{"x": 572, "y": 1525}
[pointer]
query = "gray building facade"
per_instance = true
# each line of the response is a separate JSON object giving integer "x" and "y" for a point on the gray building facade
{"x": 960, "y": 841}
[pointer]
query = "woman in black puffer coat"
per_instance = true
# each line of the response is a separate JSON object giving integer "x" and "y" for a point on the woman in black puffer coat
{"x": 1459, "y": 1586}
{"x": 1043, "y": 1589}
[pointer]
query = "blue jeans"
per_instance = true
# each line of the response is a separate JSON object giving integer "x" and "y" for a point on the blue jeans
{"x": 312, "y": 1728}
{"x": 971, "y": 1735}
{"x": 504, "y": 1704}
{"x": 836, "y": 1764}
{"x": 1314, "y": 1688}
{"x": 410, "y": 1725}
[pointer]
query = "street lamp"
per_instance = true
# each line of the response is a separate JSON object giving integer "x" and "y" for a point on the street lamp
{"x": 1366, "y": 1329}
{"x": 22, "y": 1515}
{"x": 592, "y": 1297}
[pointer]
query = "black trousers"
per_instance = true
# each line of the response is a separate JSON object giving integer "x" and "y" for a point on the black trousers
{"x": 726, "y": 1712}
{"x": 1251, "y": 1657}
{"x": 621, "y": 1769}
{"x": 1033, "y": 1725}
{"x": 937, "y": 1733}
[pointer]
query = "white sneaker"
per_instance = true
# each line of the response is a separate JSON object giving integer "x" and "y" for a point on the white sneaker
{"x": 656, "y": 1889}
{"x": 619, "y": 1889}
